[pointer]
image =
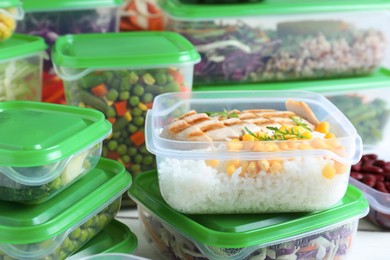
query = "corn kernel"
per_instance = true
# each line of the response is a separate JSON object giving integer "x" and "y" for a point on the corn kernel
{"x": 263, "y": 165}
{"x": 235, "y": 163}
{"x": 230, "y": 169}
{"x": 235, "y": 145}
{"x": 110, "y": 136}
{"x": 271, "y": 147}
{"x": 304, "y": 147}
{"x": 252, "y": 169}
{"x": 328, "y": 171}
{"x": 276, "y": 167}
{"x": 142, "y": 106}
{"x": 285, "y": 128}
{"x": 244, "y": 167}
{"x": 248, "y": 137}
{"x": 212, "y": 163}
{"x": 258, "y": 147}
{"x": 283, "y": 146}
{"x": 322, "y": 127}
{"x": 307, "y": 135}
{"x": 340, "y": 168}
{"x": 330, "y": 135}
{"x": 127, "y": 116}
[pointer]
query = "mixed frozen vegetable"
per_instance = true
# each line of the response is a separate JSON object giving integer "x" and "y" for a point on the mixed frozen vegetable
{"x": 332, "y": 243}
{"x": 241, "y": 51}
{"x": 63, "y": 245}
{"x": 7, "y": 23}
{"x": 20, "y": 79}
{"x": 141, "y": 15}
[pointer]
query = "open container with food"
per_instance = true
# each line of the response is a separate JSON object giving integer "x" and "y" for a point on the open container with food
{"x": 122, "y": 82}
{"x": 327, "y": 234}
{"x": 251, "y": 151}
{"x": 11, "y": 12}
{"x": 46, "y": 147}
{"x": 57, "y": 228}
{"x": 372, "y": 175}
{"x": 280, "y": 40}
{"x": 51, "y": 19}
{"x": 362, "y": 100}
{"x": 21, "y": 59}
{"x": 115, "y": 238}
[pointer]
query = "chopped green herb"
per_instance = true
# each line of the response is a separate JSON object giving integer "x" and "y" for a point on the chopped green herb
{"x": 225, "y": 113}
{"x": 300, "y": 123}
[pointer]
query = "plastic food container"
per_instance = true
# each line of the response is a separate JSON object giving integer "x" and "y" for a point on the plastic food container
{"x": 46, "y": 147}
{"x": 241, "y": 175}
{"x": 123, "y": 82}
{"x": 59, "y": 17}
{"x": 21, "y": 59}
{"x": 327, "y": 234}
{"x": 362, "y": 100}
{"x": 141, "y": 15}
{"x": 113, "y": 256}
{"x": 277, "y": 40}
{"x": 10, "y": 12}
{"x": 60, "y": 226}
{"x": 375, "y": 184}
{"x": 115, "y": 238}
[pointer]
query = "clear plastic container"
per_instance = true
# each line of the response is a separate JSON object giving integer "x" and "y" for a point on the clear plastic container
{"x": 113, "y": 256}
{"x": 123, "y": 82}
{"x": 51, "y": 19}
{"x": 274, "y": 172}
{"x": 141, "y": 15}
{"x": 280, "y": 40}
{"x": 115, "y": 238}
{"x": 328, "y": 234}
{"x": 375, "y": 184}
{"x": 21, "y": 59}
{"x": 46, "y": 147}
{"x": 11, "y": 12}
{"x": 60, "y": 226}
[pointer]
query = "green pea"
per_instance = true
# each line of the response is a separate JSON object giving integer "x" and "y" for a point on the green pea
{"x": 136, "y": 111}
{"x": 111, "y": 112}
{"x": 61, "y": 255}
{"x": 138, "y": 158}
{"x": 116, "y": 135}
{"x": 147, "y": 160}
{"x": 108, "y": 75}
{"x": 132, "y": 128}
{"x": 91, "y": 233}
{"x": 66, "y": 244}
{"x": 139, "y": 120}
{"x": 112, "y": 145}
{"x": 125, "y": 158}
{"x": 83, "y": 236}
{"x": 161, "y": 78}
{"x": 132, "y": 151}
{"x": 122, "y": 149}
{"x": 138, "y": 90}
{"x": 75, "y": 233}
{"x": 88, "y": 223}
{"x": 170, "y": 78}
{"x": 172, "y": 87}
{"x": 147, "y": 98}
{"x": 143, "y": 150}
{"x": 135, "y": 168}
{"x": 112, "y": 94}
{"x": 103, "y": 220}
{"x": 45, "y": 258}
{"x": 125, "y": 83}
{"x": 134, "y": 101}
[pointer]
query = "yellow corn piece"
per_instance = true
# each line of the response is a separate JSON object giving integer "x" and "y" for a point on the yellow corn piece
{"x": 258, "y": 147}
{"x": 304, "y": 147}
{"x": 248, "y": 137}
{"x": 263, "y": 165}
{"x": 271, "y": 147}
{"x": 142, "y": 106}
{"x": 285, "y": 128}
{"x": 328, "y": 171}
{"x": 307, "y": 135}
{"x": 110, "y": 136}
{"x": 244, "y": 167}
{"x": 235, "y": 163}
{"x": 120, "y": 160}
{"x": 230, "y": 169}
{"x": 283, "y": 146}
{"x": 252, "y": 169}
{"x": 235, "y": 145}
{"x": 81, "y": 104}
{"x": 340, "y": 168}
{"x": 212, "y": 163}
{"x": 128, "y": 116}
{"x": 322, "y": 127}
{"x": 330, "y": 135}
{"x": 276, "y": 166}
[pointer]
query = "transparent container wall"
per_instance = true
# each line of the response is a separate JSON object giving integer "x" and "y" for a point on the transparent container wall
{"x": 21, "y": 78}
{"x": 333, "y": 242}
{"x": 35, "y": 185}
{"x": 368, "y": 110}
{"x": 288, "y": 47}
{"x": 8, "y": 20}
{"x": 63, "y": 245}
{"x": 292, "y": 184}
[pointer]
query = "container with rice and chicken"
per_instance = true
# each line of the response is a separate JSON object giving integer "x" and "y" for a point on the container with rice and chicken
{"x": 251, "y": 152}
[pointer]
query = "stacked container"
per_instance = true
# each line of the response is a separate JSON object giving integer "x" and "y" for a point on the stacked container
{"x": 122, "y": 82}
{"x": 51, "y": 19}
{"x": 21, "y": 58}
{"x": 10, "y": 13}
{"x": 55, "y": 193}
{"x": 295, "y": 187}
{"x": 280, "y": 40}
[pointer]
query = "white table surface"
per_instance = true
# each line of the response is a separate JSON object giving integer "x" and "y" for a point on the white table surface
{"x": 371, "y": 243}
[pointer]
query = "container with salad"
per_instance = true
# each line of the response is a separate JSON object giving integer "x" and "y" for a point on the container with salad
{"x": 251, "y": 152}
{"x": 123, "y": 82}
{"x": 11, "y": 12}
{"x": 58, "y": 227}
{"x": 51, "y": 19}
{"x": 21, "y": 59}
{"x": 44, "y": 148}
{"x": 281, "y": 40}
{"x": 327, "y": 234}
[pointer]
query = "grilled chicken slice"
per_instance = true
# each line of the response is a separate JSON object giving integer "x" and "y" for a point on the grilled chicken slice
{"x": 303, "y": 110}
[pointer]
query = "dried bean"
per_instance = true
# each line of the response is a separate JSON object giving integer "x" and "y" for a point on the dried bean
{"x": 379, "y": 163}
{"x": 372, "y": 169}
{"x": 369, "y": 179}
{"x": 380, "y": 186}
{"x": 386, "y": 168}
{"x": 356, "y": 175}
{"x": 357, "y": 167}
{"x": 370, "y": 156}
{"x": 387, "y": 184}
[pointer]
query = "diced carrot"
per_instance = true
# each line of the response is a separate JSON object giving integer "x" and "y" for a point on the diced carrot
{"x": 177, "y": 76}
{"x": 112, "y": 120}
{"x": 152, "y": 8}
{"x": 99, "y": 90}
{"x": 149, "y": 105}
{"x": 184, "y": 89}
{"x": 138, "y": 138}
{"x": 112, "y": 155}
{"x": 120, "y": 107}
{"x": 307, "y": 248}
{"x": 155, "y": 24}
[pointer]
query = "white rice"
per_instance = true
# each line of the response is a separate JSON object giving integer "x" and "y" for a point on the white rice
{"x": 190, "y": 186}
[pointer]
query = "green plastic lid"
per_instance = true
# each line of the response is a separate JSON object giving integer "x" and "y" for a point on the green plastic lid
{"x": 45, "y": 5}
{"x": 9, "y": 3}
{"x": 68, "y": 209}
{"x": 244, "y": 230}
{"x": 20, "y": 45}
{"x": 379, "y": 79}
{"x": 187, "y": 11}
{"x": 37, "y": 133}
{"x": 116, "y": 237}
{"x": 134, "y": 49}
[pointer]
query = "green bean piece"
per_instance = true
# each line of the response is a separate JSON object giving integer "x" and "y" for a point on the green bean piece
{"x": 112, "y": 145}
{"x": 91, "y": 80}
{"x": 124, "y": 95}
{"x": 93, "y": 101}
{"x": 136, "y": 111}
{"x": 133, "y": 78}
{"x": 134, "y": 101}
{"x": 147, "y": 98}
{"x": 161, "y": 78}
{"x": 109, "y": 76}
{"x": 120, "y": 124}
{"x": 139, "y": 120}
{"x": 112, "y": 94}
{"x": 138, "y": 90}
{"x": 148, "y": 79}
{"x": 116, "y": 83}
